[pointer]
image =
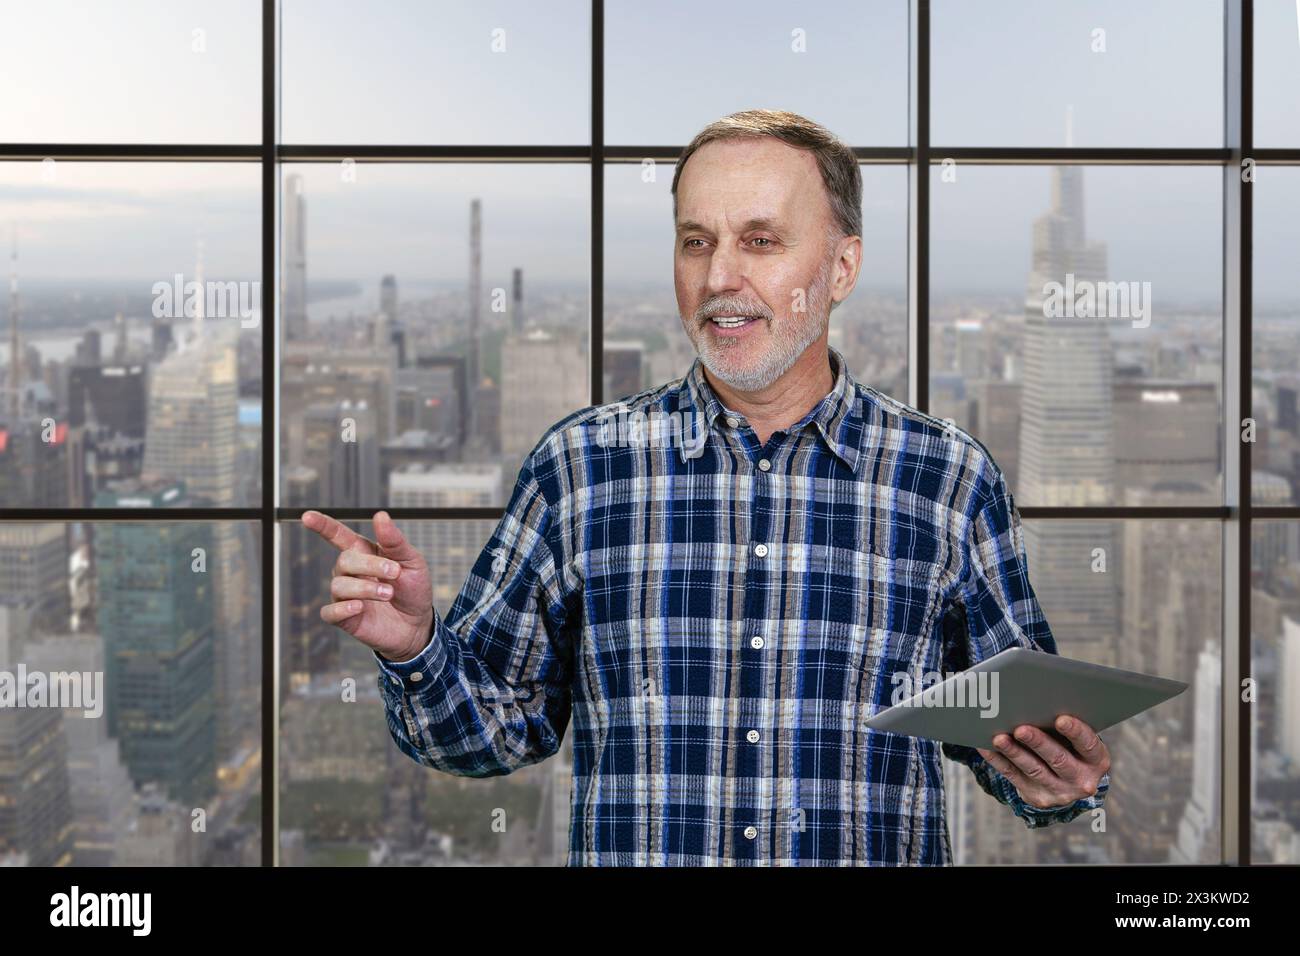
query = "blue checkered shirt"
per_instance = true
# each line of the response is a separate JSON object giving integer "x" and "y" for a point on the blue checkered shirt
{"x": 717, "y": 618}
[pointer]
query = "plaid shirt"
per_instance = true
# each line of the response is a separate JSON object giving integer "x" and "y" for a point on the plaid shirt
{"x": 718, "y": 617}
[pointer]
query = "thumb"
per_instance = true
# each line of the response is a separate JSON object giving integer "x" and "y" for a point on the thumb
{"x": 393, "y": 542}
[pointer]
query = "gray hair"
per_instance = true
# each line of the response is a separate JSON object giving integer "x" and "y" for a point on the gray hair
{"x": 839, "y": 166}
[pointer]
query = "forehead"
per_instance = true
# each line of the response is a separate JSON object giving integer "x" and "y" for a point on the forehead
{"x": 729, "y": 182}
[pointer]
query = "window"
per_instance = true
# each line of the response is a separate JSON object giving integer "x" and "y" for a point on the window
{"x": 436, "y": 229}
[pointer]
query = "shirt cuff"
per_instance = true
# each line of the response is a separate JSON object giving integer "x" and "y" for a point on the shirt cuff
{"x": 1044, "y": 816}
{"x": 421, "y": 670}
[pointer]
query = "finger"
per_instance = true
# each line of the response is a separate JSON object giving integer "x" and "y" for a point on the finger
{"x": 356, "y": 564}
{"x": 391, "y": 540}
{"x": 343, "y": 588}
{"x": 1058, "y": 759}
{"x": 340, "y": 612}
{"x": 1086, "y": 742}
{"x": 1003, "y": 766}
{"x": 1029, "y": 765}
{"x": 334, "y": 531}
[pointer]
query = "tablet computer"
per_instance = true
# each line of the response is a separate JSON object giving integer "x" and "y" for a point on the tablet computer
{"x": 1022, "y": 686}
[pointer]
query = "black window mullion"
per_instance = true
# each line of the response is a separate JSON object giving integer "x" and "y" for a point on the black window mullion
{"x": 270, "y": 439}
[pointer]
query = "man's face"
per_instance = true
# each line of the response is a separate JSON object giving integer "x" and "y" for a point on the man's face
{"x": 753, "y": 221}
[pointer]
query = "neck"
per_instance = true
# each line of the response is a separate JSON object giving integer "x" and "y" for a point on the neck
{"x": 788, "y": 399}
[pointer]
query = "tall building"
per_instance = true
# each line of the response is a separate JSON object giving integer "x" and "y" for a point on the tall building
{"x": 37, "y": 464}
{"x": 1067, "y": 449}
{"x": 13, "y": 408}
{"x": 309, "y": 644}
{"x": 102, "y": 796}
{"x": 474, "y": 363}
{"x": 391, "y": 332}
{"x": 544, "y": 377}
{"x": 388, "y": 298}
{"x": 194, "y": 415}
{"x": 1198, "y": 829}
{"x": 1287, "y": 699}
{"x": 361, "y": 377}
{"x": 192, "y": 436}
{"x": 1163, "y": 436}
{"x": 156, "y": 614}
{"x": 34, "y": 572}
{"x": 293, "y": 277}
{"x": 517, "y": 301}
{"x": 450, "y": 547}
{"x": 109, "y": 394}
{"x": 341, "y": 442}
{"x": 36, "y": 814}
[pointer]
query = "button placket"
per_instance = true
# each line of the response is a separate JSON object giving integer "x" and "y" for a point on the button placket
{"x": 761, "y": 569}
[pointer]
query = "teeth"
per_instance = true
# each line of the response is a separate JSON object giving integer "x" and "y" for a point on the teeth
{"x": 731, "y": 322}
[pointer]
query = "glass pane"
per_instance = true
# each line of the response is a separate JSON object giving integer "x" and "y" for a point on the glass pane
{"x": 125, "y": 369}
{"x": 1277, "y": 73}
{"x": 464, "y": 73}
{"x": 1275, "y": 646}
{"x": 673, "y": 67}
{"x": 151, "y": 71}
{"x": 348, "y": 795}
{"x": 1113, "y": 73}
{"x": 1076, "y": 328}
{"x": 1142, "y": 596}
{"x": 150, "y": 752}
{"x": 1275, "y": 461}
{"x": 399, "y": 281}
{"x": 645, "y": 343}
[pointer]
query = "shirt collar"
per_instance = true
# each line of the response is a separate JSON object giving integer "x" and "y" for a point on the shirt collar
{"x": 836, "y": 417}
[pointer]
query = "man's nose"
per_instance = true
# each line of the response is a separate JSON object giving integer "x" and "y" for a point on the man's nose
{"x": 726, "y": 270}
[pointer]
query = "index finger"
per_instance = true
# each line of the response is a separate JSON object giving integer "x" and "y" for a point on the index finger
{"x": 336, "y": 533}
{"x": 1084, "y": 739}
{"x": 1059, "y": 760}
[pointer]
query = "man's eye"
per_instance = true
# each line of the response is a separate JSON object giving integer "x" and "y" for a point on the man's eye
{"x": 689, "y": 241}
{"x": 762, "y": 239}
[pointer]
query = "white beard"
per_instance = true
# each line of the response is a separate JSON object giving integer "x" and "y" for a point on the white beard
{"x": 791, "y": 337}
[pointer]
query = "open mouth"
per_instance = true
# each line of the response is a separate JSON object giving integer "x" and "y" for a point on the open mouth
{"x": 733, "y": 321}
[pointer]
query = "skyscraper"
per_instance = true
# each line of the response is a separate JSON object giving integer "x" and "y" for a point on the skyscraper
{"x": 15, "y": 383}
{"x": 293, "y": 291}
{"x": 1067, "y": 449}
{"x": 157, "y": 607}
{"x": 475, "y": 370}
{"x": 192, "y": 436}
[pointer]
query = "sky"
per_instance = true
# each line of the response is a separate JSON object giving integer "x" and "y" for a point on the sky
{"x": 187, "y": 71}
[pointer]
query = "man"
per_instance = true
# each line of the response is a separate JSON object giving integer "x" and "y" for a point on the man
{"x": 719, "y": 613}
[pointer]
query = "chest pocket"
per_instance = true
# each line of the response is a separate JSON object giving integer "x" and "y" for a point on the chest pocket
{"x": 879, "y": 606}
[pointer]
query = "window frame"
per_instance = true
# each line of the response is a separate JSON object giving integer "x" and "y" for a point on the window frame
{"x": 1235, "y": 514}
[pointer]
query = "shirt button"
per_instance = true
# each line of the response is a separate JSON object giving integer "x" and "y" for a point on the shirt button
{"x": 756, "y": 642}
{"x": 417, "y": 677}
{"x": 751, "y": 832}
{"x": 752, "y": 736}
{"x": 733, "y": 422}
{"x": 760, "y": 550}
{"x": 764, "y": 464}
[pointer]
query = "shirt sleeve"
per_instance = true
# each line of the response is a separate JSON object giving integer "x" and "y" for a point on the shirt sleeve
{"x": 1001, "y": 611}
{"x": 491, "y": 692}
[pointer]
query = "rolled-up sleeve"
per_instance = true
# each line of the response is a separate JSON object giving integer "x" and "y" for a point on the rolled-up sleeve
{"x": 1001, "y": 611}
{"x": 491, "y": 692}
